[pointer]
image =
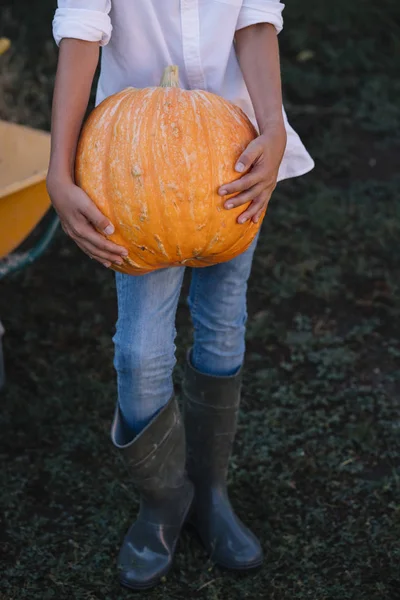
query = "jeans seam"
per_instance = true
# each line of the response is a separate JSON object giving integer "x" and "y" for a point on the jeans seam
{"x": 195, "y": 300}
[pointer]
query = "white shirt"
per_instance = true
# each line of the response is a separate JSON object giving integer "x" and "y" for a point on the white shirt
{"x": 141, "y": 37}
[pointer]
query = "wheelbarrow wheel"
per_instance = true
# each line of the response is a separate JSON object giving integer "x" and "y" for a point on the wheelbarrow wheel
{"x": 18, "y": 260}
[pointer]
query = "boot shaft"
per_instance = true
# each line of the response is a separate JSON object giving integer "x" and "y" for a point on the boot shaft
{"x": 211, "y": 407}
{"x": 157, "y": 454}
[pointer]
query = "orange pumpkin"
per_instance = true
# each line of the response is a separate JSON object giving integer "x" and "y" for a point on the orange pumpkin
{"x": 152, "y": 160}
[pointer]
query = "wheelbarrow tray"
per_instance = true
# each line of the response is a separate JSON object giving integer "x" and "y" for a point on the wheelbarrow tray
{"x": 24, "y": 159}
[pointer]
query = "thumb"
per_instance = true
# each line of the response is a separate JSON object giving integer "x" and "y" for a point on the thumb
{"x": 249, "y": 156}
{"x": 96, "y": 217}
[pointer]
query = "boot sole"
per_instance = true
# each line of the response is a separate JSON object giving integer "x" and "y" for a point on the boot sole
{"x": 243, "y": 569}
{"x": 156, "y": 581}
{"x": 248, "y": 567}
{"x": 144, "y": 586}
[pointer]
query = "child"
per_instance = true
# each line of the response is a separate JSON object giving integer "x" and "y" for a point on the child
{"x": 179, "y": 466}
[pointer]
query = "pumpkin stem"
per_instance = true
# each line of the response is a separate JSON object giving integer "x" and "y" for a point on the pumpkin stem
{"x": 170, "y": 77}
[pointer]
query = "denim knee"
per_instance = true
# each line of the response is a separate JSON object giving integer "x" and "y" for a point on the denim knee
{"x": 142, "y": 365}
{"x": 218, "y": 349}
{"x": 144, "y": 383}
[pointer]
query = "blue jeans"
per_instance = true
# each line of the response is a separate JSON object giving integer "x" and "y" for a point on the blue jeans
{"x": 145, "y": 332}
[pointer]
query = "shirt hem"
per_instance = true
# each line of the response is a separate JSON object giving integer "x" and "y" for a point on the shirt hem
{"x": 289, "y": 174}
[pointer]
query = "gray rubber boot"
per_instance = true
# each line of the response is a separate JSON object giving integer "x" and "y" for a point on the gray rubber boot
{"x": 211, "y": 406}
{"x": 157, "y": 459}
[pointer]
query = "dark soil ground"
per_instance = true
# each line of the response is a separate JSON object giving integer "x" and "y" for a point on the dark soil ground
{"x": 315, "y": 471}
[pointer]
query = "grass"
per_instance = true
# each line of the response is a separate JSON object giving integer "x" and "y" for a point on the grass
{"x": 315, "y": 471}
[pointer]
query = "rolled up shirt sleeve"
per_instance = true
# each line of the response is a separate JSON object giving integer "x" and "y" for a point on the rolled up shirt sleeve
{"x": 86, "y": 20}
{"x": 261, "y": 11}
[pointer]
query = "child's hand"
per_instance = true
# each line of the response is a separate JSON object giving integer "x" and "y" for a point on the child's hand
{"x": 263, "y": 157}
{"x": 81, "y": 219}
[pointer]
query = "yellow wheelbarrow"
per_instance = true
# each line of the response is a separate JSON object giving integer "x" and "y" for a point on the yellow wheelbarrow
{"x": 24, "y": 157}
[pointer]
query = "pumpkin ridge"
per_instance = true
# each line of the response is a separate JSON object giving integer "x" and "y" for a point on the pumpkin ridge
{"x": 133, "y": 102}
{"x": 107, "y": 171}
{"x": 143, "y": 128}
{"x": 161, "y": 96}
{"x": 86, "y": 144}
{"x": 211, "y": 171}
{"x": 204, "y": 224}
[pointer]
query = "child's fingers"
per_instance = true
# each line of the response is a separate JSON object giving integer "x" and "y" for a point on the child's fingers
{"x": 94, "y": 215}
{"x": 92, "y": 242}
{"x": 250, "y": 155}
{"x": 257, "y": 207}
{"x": 240, "y": 185}
{"x": 101, "y": 243}
{"x": 244, "y": 197}
{"x": 102, "y": 257}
